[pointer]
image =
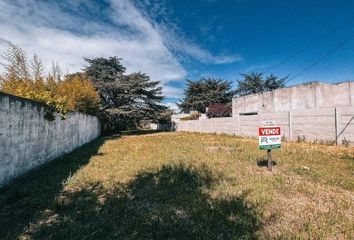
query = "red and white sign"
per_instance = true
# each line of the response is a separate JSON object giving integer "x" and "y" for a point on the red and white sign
{"x": 269, "y": 131}
{"x": 269, "y": 137}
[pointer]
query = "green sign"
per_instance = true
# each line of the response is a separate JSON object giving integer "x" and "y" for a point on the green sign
{"x": 267, "y": 147}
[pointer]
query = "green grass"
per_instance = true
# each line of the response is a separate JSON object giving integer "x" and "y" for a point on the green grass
{"x": 184, "y": 186}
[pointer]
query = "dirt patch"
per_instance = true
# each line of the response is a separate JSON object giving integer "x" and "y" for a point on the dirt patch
{"x": 214, "y": 149}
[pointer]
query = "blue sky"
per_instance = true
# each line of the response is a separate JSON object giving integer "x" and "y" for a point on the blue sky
{"x": 173, "y": 40}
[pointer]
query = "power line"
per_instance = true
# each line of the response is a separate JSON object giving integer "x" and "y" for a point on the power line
{"x": 326, "y": 35}
{"x": 341, "y": 44}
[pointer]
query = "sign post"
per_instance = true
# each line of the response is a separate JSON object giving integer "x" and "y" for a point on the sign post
{"x": 269, "y": 165}
{"x": 269, "y": 138}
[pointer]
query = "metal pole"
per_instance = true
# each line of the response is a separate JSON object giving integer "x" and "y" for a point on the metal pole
{"x": 269, "y": 151}
{"x": 336, "y": 124}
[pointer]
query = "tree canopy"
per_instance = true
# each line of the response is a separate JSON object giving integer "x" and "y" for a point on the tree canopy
{"x": 126, "y": 99}
{"x": 26, "y": 78}
{"x": 203, "y": 92}
{"x": 255, "y": 83}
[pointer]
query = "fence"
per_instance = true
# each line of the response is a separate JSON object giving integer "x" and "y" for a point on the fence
{"x": 327, "y": 124}
{"x": 28, "y": 140}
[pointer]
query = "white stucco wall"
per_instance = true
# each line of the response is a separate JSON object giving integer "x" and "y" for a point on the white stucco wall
{"x": 28, "y": 140}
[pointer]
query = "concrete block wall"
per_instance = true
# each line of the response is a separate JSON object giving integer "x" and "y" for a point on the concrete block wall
{"x": 28, "y": 140}
{"x": 345, "y": 122}
{"x": 282, "y": 119}
{"x": 248, "y": 125}
{"x": 328, "y": 124}
{"x": 213, "y": 125}
{"x": 314, "y": 124}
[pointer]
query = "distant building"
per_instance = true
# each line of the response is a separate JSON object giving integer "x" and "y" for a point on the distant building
{"x": 160, "y": 126}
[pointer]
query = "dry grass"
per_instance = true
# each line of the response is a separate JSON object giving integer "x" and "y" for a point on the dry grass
{"x": 184, "y": 186}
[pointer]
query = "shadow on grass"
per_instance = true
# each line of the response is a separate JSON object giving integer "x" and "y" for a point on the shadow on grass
{"x": 264, "y": 163}
{"x": 142, "y": 132}
{"x": 168, "y": 204}
{"x": 26, "y": 198}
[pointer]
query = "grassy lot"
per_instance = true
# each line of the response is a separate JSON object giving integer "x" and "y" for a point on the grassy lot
{"x": 184, "y": 186}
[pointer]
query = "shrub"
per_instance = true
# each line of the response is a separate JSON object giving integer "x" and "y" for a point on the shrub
{"x": 79, "y": 93}
{"x": 192, "y": 116}
{"x": 301, "y": 139}
{"x": 26, "y": 78}
{"x": 218, "y": 110}
{"x": 345, "y": 142}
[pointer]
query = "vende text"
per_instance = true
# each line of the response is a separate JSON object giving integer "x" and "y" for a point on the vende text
{"x": 269, "y": 131}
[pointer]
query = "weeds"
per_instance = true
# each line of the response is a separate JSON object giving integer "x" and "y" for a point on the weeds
{"x": 184, "y": 186}
{"x": 301, "y": 139}
{"x": 345, "y": 142}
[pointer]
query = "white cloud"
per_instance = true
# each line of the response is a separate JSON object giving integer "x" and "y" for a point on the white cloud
{"x": 47, "y": 30}
{"x": 56, "y": 34}
{"x": 174, "y": 38}
{"x": 200, "y": 54}
{"x": 172, "y": 92}
{"x": 180, "y": 44}
{"x": 171, "y": 105}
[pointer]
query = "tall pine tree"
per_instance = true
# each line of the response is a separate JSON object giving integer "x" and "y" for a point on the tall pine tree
{"x": 201, "y": 93}
{"x": 126, "y": 99}
{"x": 255, "y": 83}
